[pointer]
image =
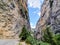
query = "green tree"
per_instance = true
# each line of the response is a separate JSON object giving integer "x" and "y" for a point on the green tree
{"x": 24, "y": 34}
{"x": 48, "y": 36}
{"x": 57, "y": 38}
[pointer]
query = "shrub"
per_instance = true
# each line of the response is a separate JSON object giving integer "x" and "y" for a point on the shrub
{"x": 44, "y": 43}
{"x": 51, "y": 3}
{"x": 49, "y": 37}
{"x": 31, "y": 40}
{"x": 24, "y": 34}
{"x": 57, "y": 39}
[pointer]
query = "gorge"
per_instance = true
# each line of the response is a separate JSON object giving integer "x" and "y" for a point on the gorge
{"x": 14, "y": 15}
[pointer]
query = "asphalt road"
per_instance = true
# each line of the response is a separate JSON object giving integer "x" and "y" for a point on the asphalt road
{"x": 9, "y": 42}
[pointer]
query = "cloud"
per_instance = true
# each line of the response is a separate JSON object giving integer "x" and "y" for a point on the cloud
{"x": 39, "y": 13}
{"x": 32, "y": 26}
{"x": 36, "y": 6}
{"x": 35, "y": 3}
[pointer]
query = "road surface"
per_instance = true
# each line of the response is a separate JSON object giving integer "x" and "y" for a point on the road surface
{"x": 9, "y": 42}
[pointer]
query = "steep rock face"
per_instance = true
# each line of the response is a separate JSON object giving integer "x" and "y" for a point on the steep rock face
{"x": 55, "y": 16}
{"x": 50, "y": 15}
{"x": 13, "y": 16}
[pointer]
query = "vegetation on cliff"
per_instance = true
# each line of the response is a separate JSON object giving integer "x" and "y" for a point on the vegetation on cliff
{"x": 24, "y": 34}
{"x": 51, "y": 3}
{"x": 48, "y": 39}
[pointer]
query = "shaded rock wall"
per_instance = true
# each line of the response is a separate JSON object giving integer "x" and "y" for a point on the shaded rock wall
{"x": 50, "y": 15}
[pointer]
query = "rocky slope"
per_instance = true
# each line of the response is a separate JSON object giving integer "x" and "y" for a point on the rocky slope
{"x": 50, "y": 15}
{"x": 13, "y": 16}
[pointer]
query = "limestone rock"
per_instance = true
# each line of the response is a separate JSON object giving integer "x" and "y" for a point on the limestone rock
{"x": 50, "y": 15}
{"x": 13, "y": 16}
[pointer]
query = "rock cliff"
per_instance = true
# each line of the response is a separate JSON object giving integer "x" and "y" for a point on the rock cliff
{"x": 50, "y": 15}
{"x": 13, "y": 16}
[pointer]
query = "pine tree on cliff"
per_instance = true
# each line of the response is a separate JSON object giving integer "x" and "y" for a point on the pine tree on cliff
{"x": 48, "y": 36}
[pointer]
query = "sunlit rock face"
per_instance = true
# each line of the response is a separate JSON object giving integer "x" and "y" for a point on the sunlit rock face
{"x": 49, "y": 16}
{"x": 13, "y": 16}
{"x": 41, "y": 24}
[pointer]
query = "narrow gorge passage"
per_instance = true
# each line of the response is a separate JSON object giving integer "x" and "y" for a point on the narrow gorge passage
{"x": 29, "y": 22}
